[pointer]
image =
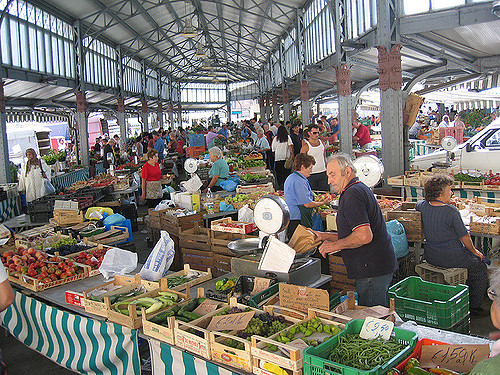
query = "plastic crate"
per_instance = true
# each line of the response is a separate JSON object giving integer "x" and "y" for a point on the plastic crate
{"x": 417, "y": 352}
{"x": 431, "y": 304}
{"x": 450, "y": 276}
{"x": 316, "y": 360}
{"x": 194, "y": 152}
{"x": 463, "y": 326}
{"x": 196, "y": 140}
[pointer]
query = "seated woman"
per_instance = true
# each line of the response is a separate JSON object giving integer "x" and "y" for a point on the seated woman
{"x": 218, "y": 173}
{"x": 448, "y": 243}
{"x": 298, "y": 194}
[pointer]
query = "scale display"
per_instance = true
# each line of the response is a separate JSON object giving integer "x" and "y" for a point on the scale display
{"x": 271, "y": 214}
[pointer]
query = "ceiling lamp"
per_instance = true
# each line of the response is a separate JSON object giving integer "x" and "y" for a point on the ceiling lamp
{"x": 206, "y": 65}
{"x": 212, "y": 73}
{"x": 189, "y": 31}
{"x": 215, "y": 79}
{"x": 200, "y": 53}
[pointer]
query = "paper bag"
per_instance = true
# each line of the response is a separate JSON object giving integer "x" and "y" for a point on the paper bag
{"x": 303, "y": 239}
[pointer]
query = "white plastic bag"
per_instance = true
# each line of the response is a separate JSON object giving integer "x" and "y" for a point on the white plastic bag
{"x": 47, "y": 188}
{"x": 160, "y": 259}
{"x": 118, "y": 262}
{"x": 245, "y": 214}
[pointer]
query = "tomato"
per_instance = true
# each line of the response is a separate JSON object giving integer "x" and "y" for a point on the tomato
{"x": 43, "y": 275}
{"x": 32, "y": 272}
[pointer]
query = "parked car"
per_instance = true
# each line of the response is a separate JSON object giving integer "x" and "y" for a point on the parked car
{"x": 481, "y": 152}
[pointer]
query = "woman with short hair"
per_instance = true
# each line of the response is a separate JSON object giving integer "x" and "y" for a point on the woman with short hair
{"x": 152, "y": 190}
{"x": 298, "y": 194}
{"x": 448, "y": 242}
{"x": 218, "y": 173}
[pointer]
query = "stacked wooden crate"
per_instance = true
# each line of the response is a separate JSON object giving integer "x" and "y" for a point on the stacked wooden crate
{"x": 196, "y": 249}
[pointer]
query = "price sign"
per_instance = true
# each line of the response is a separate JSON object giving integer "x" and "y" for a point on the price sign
{"x": 229, "y": 322}
{"x": 454, "y": 357}
{"x": 373, "y": 328}
{"x": 206, "y": 307}
{"x": 260, "y": 284}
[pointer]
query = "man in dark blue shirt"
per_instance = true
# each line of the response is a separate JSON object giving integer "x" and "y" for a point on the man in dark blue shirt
{"x": 362, "y": 239}
{"x": 159, "y": 145}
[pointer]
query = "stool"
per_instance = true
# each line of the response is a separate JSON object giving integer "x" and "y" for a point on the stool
{"x": 435, "y": 274}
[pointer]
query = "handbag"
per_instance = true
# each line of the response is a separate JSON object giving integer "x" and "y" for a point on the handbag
{"x": 289, "y": 160}
{"x": 154, "y": 190}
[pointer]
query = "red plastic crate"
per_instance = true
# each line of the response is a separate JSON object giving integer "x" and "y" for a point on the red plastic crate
{"x": 417, "y": 352}
{"x": 195, "y": 152}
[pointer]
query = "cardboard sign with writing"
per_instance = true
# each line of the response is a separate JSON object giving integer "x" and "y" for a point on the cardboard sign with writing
{"x": 301, "y": 298}
{"x": 230, "y": 322}
{"x": 373, "y": 328}
{"x": 206, "y": 307}
{"x": 453, "y": 357}
{"x": 259, "y": 285}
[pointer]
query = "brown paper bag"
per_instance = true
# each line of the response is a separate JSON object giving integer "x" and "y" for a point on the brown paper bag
{"x": 303, "y": 239}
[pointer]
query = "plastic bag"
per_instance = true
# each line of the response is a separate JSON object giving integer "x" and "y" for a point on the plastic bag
{"x": 114, "y": 219}
{"x": 160, "y": 259}
{"x": 245, "y": 214}
{"x": 229, "y": 185}
{"x": 317, "y": 222}
{"x": 398, "y": 238}
{"x": 47, "y": 188}
{"x": 193, "y": 184}
{"x": 118, "y": 262}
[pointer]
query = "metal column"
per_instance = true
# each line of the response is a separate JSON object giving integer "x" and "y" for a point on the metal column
{"x": 171, "y": 114}
{"x": 144, "y": 115}
{"x": 390, "y": 82}
{"x": 122, "y": 122}
{"x": 81, "y": 124}
{"x": 4, "y": 146}
{"x": 286, "y": 106}
{"x": 262, "y": 109}
{"x": 276, "y": 109}
{"x": 160, "y": 115}
{"x": 305, "y": 104}
{"x": 228, "y": 104}
{"x": 180, "y": 115}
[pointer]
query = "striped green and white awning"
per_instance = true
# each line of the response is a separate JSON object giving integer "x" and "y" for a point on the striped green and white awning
{"x": 81, "y": 344}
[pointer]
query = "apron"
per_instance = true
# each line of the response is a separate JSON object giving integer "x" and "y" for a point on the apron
{"x": 154, "y": 190}
{"x": 306, "y": 216}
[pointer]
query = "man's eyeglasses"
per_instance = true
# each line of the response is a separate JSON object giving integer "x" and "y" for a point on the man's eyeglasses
{"x": 492, "y": 294}
{"x": 314, "y": 132}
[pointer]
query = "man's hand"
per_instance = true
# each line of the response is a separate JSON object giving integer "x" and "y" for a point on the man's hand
{"x": 143, "y": 196}
{"x": 478, "y": 254}
{"x": 329, "y": 247}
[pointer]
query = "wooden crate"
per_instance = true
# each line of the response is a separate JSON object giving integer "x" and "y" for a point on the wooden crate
{"x": 134, "y": 318}
{"x": 116, "y": 234}
{"x": 411, "y": 220}
{"x": 204, "y": 276}
{"x": 196, "y": 238}
{"x": 125, "y": 283}
{"x": 349, "y": 310}
{"x": 293, "y": 362}
{"x": 154, "y": 218}
{"x": 92, "y": 272}
{"x": 396, "y": 181}
{"x": 197, "y": 259}
{"x": 266, "y": 188}
{"x": 472, "y": 185}
{"x": 67, "y": 218}
{"x": 485, "y": 225}
{"x": 177, "y": 224}
{"x": 338, "y": 272}
{"x": 239, "y": 226}
{"x": 37, "y": 286}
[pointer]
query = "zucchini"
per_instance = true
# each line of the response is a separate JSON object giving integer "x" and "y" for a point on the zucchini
{"x": 191, "y": 305}
{"x": 417, "y": 371}
{"x": 189, "y": 315}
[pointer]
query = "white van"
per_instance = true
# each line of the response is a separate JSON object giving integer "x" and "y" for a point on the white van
{"x": 481, "y": 152}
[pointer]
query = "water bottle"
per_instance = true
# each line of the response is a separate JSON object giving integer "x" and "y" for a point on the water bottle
{"x": 210, "y": 201}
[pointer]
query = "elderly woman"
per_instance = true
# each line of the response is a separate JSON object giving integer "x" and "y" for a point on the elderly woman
{"x": 491, "y": 365}
{"x": 151, "y": 180}
{"x": 219, "y": 171}
{"x": 298, "y": 194}
{"x": 448, "y": 243}
{"x": 33, "y": 172}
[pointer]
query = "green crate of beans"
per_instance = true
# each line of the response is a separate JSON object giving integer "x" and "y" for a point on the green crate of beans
{"x": 430, "y": 304}
{"x": 317, "y": 359}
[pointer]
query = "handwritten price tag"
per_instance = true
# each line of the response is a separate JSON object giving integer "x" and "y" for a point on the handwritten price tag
{"x": 453, "y": 357}
{"x": 260, "y": 284}
{"x": 373, "y": 328}
{"x": 229, "y": 322}
{"x": 206, "y": 307}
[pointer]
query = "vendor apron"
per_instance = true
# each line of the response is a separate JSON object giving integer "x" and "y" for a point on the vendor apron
{"x": 154, "y": 190}
{"x": 306, "y": 216}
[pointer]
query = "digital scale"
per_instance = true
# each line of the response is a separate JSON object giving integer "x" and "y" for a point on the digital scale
{"x": 272, "y": 216}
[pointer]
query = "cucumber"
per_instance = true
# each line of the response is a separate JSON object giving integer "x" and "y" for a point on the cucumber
{"x": 417, "y": 371}
{"x": 191, "y": 305}
{"x": 189, "y": 315}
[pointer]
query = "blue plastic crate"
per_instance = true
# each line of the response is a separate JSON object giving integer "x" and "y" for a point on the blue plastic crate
{"x": 196, "y": 140}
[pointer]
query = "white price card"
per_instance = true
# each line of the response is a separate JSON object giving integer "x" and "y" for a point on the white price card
{"x": 374, "y": 328}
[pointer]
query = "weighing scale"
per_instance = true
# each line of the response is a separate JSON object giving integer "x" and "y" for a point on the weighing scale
{"x": 369, "y": 170}
{"x": 448, "y": 143}
{"x": 191, "y": 166}
{"x": 272, "y": 216}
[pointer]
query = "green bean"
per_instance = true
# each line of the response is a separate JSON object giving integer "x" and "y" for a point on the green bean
{"x": 353, "y": 351}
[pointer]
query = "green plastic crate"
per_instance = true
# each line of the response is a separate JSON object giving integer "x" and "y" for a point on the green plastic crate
{"x": 316, "y": 360}
{"x": 430, "y": 304}
{"x": 256, "y": 300}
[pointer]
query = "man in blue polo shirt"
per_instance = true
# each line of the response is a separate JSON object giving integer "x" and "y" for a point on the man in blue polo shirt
{"x": 362, "y": 238}
{"x": 159, "y": 145}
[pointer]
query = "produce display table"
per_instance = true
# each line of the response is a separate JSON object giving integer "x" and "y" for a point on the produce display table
{"x": 68, "y": 179}
{"x": 415, "y": 194}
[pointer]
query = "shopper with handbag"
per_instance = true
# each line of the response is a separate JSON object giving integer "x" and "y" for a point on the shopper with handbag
{"x": 152, "y": 190}
{"x": 34, "y": 173}
{"x": 282, "y": 147}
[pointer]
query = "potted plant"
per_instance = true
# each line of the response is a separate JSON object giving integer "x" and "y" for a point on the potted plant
{"x": 61, "y": 160}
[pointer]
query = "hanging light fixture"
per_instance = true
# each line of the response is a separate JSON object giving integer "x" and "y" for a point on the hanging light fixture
{"x": 215, "y": 79}
{"x": 188, "y": 31}
{"x": 200, "y": 52}
{"x": 212, "y": 73}
{"x": 206, "y": 65}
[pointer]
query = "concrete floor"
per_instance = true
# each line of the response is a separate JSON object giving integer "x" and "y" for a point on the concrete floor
{"x": 22, "y": 360}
